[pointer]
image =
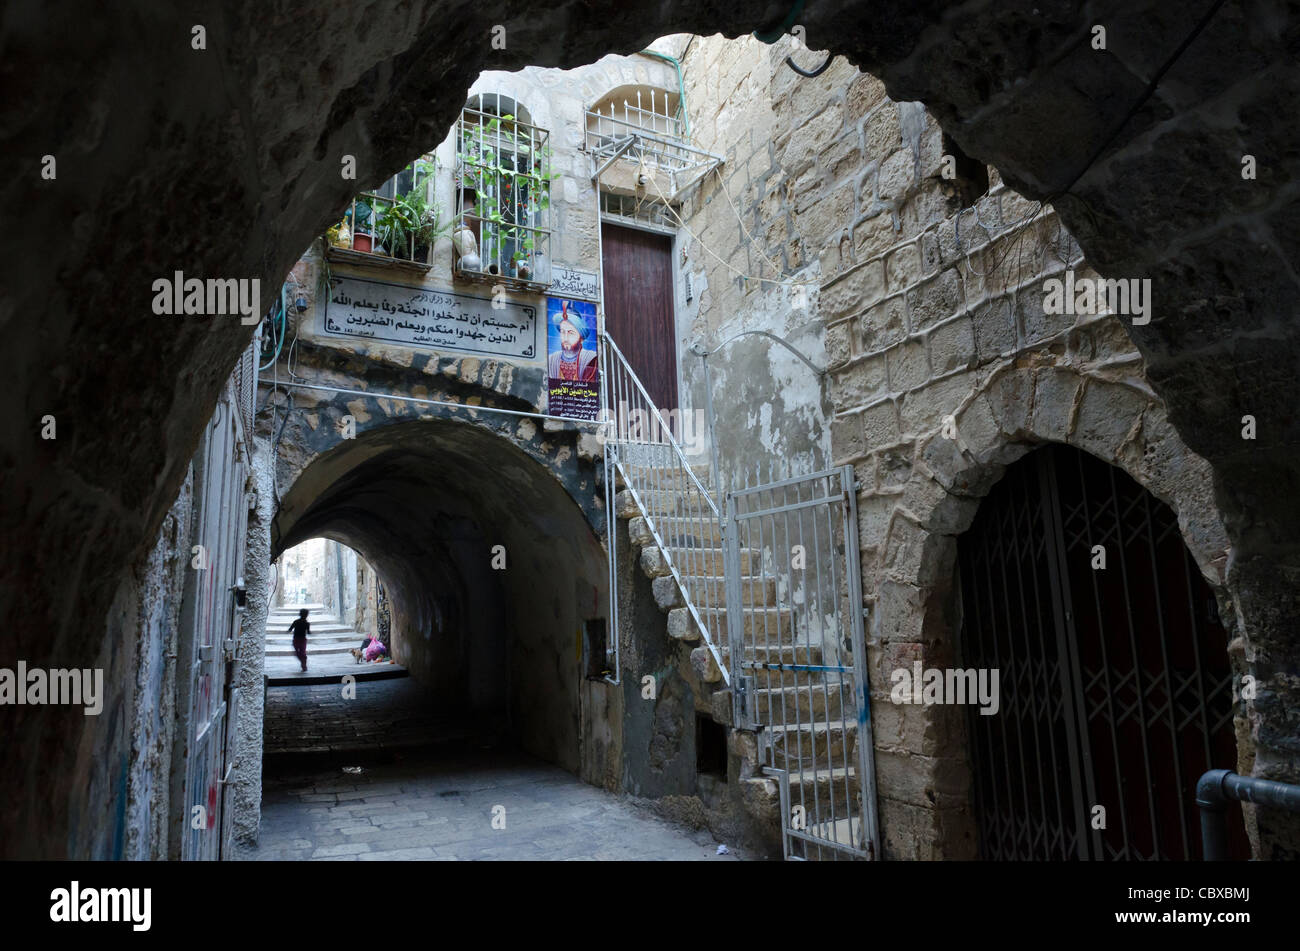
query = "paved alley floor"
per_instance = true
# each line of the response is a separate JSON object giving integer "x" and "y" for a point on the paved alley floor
{"x": 380, "y": 776}
{"x": 442, "y": 805}
{"x": 324, "y": 665}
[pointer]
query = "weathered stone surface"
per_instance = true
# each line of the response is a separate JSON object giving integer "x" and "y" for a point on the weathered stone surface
{"x": 681, "y": 626}
{"x": 264, "y": 174}
{"x": 666, "y": 593}
{"x": 704, "y": 665}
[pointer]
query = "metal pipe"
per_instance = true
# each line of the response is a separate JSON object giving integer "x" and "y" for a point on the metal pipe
{"x": 1217, "y": 786}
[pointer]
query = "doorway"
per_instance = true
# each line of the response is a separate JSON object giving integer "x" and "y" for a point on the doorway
{"x": 638, "y": 280}
{"x": 1116, "y": 689}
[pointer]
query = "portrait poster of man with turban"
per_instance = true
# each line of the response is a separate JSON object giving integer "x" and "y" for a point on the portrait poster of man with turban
{"x": 573, "y": 376}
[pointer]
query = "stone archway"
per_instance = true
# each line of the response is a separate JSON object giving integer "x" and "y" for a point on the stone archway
{"x": 489, "y": 564}
{"x": 922, "y": 768}
{"x": 246, "y": 134}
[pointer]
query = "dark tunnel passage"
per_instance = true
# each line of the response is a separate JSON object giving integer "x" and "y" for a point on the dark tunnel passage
{"x": 491, "y": 569}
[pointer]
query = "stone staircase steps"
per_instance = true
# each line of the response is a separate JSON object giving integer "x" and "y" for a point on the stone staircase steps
{"x": 789, "y": 705}
{"x": 779, "y": 654}
{"x": 754, "y": 592}
{"x": 328, "y": 636}
{"x": 680, "y": 503}
{"x": 694, "y": 531}
{"x": 766, "y": 626}
{"x": 825, "y": 743}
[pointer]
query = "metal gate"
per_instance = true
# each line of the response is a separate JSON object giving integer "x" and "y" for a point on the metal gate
{"x": 794, "y": 610}
{"x": 1115, "y": 684}
{"x": 217, "y": 566}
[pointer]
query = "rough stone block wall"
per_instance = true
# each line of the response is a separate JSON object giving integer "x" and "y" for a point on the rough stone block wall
{"x": 926, "y": 306}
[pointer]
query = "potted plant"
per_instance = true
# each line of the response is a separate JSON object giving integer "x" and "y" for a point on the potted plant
{"x": 362, "y": 239}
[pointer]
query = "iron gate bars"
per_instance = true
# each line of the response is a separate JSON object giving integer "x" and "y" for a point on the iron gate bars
{"x": 1116, "y": 686}
{"x": 794, "y": 618}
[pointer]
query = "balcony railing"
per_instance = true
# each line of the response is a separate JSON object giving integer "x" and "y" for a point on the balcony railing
{"x": 396, "y": 228}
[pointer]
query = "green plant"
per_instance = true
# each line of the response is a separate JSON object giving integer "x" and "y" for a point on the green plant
{"x": 410, "y": 222}
{"x": 499, "y": 153}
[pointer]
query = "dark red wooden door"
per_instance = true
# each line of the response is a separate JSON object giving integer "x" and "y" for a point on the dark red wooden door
{"x": 639, "y": 307}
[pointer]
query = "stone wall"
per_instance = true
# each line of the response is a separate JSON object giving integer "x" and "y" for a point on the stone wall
{"x": 925, "y": 300}
{"x": 772, "y": 411}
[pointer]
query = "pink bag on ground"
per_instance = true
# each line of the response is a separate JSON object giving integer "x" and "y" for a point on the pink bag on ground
{"x": 374, "y": 649}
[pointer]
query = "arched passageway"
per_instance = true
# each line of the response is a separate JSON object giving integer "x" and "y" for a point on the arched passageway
{"x": 249, "y": 132}
{"x": 1114, "y": 688}
{"x": 490, "y": 568}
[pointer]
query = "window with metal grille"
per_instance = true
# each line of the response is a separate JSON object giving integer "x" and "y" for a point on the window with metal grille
{"x": 637, "y": 209}
{"x": 398, "y": 221}
{"x": 503, "y": 195}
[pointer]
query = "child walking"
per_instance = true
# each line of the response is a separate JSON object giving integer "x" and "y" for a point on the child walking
{"x": 300, "y": 628}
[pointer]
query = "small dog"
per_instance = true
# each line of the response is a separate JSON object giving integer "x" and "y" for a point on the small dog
{"x": 357, "y": 653}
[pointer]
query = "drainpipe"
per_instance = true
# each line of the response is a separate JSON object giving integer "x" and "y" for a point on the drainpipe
{"x": 681, "y": 89}
{"x": 1217, "y": 786}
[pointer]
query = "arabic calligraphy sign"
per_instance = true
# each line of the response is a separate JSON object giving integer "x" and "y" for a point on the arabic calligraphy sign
{"x": 573, "y": 283}
{"x": 430, "y": 318}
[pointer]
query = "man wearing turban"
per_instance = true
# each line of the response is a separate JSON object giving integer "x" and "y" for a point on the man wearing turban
{"x": 572, "y": 362}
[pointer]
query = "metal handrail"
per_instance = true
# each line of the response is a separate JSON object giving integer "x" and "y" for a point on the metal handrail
{"x": 662, "y": 424}
{"x": 1217, "y": 786}
{"x": 642, "y": 486}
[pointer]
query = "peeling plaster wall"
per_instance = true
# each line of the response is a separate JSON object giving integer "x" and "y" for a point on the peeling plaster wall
{"x": 238, "y": 137}
{"x": 771, "y": 410}
{"x": 923, "y": 311}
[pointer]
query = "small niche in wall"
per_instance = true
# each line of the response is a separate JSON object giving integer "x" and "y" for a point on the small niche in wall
{"x": 710, "y": 747}
{"x": 594, "y": 649}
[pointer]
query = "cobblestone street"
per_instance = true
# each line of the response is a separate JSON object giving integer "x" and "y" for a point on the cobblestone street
{"x": 407, "y": 799}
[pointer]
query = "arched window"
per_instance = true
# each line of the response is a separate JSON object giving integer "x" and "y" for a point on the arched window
{"x": 503, "y": 192}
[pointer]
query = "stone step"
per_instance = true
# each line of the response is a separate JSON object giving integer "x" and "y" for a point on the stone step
{"x": 331, "y": 627}
{"x": 654, "y": 477}
{"x": 754, "y": 592}
{"x": 843, "y": 830}
{"x": 818, "y": 790}
{"x": 352, "y": 638}
{"x": 312, "y": 649}
{"x": 779, "y": 653}
{"x": 761, "y": 626}
{"x": 696, "y": 532}
{"x": 275, "y": 625}
{"x": 821, "y": 743}
{"x": 791, "y": 705}
{"x": 700, "y": 560}
{"x": 684, "y": 503}
{"x": 682, "y": 627}
{"x": 763, "y": 678}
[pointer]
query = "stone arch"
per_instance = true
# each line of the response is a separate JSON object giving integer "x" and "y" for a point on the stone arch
{"x": 1016, "y": 84}
{"x": 915, "y": 617}
{"x": 427, "y": 502}
{"x": 627, "y": 97}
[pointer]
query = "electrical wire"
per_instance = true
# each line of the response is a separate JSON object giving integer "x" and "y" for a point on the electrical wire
{"x": 727, "y": 264}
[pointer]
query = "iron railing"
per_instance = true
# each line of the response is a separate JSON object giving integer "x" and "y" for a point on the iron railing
{"x": 503, "y": 192}
{"x": 798, "y": 656}
{"x": 642, "y": 450}
{"x": 363, "y": 230}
